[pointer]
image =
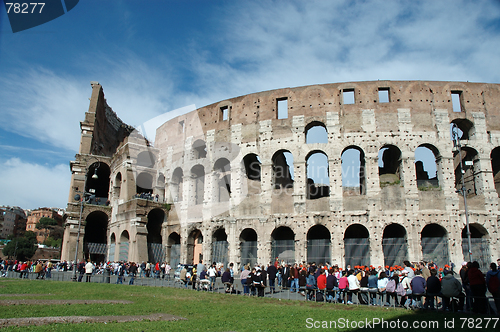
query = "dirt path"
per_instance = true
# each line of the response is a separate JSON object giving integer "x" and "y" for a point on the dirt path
{"x": 85, "y": 319}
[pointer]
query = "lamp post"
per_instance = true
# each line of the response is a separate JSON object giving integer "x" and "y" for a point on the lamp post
{"x": 81, "y": 199}
{"x": 457, "y": 145}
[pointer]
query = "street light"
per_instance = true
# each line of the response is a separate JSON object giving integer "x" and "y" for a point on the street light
{"x": 458, "y": 147}
{"x": 82, "y": 199}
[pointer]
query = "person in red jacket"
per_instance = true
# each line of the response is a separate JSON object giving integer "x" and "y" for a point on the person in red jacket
{"x": 321, "y": 282}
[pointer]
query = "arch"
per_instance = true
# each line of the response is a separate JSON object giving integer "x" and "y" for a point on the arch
{"x": 389, "y": 162}
{"x": 316, "y": 132}
{"x": 124, "y": 246}
{"x": 466, "y": 165}
{"x": 146, "y": 159}
{"x": 95, "y": 238}
{"x": 427, "y": 164}
{"x": 98, "y": 187}
{"x": 353, "y": 171}
{"x": 144, "y": 183}
{"x": 174, "y": 249}
{"x": 194, "y": 247}
{"x": 480, "y": 247}
{"x": 117, "y": 186}
{"x": 156, "y": 218}
{"x": 466, "y": 129}
{"x": 318, "y": 180}
{"x": 357, "y": 245}
{"x": 199, "y": 149}
{"x": 198, "y": 176}
{"x": 394, "y": 244}
{"x": 434, "y": 241}
{"x": 176, "y": 185}
{"x": 252, "y": 166}
{"x": 283, "y": 244}
{"x": 220, "y": 247}
{"x": 248, "y": 247}
{"x": 282, "y": 169}
{"x": 222, "y": 172}
{"x": 495, "y": 166}
{"x": 318, "y": 245}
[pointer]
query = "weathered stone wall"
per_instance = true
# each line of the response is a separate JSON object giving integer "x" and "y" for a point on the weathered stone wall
{"x": 190, "y": 149}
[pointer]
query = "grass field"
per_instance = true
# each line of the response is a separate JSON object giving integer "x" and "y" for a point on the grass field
{"x": 203, "y": 311}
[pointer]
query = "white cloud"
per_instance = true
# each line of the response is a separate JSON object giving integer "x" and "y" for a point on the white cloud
{"x": 32, "y": 185}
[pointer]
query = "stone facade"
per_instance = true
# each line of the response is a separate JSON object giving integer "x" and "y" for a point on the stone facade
{"x": 240, "y": 180}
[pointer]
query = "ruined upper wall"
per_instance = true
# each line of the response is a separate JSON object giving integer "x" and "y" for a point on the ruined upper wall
{"x": 312, "y": 102}
{"x": 102, "y": 129}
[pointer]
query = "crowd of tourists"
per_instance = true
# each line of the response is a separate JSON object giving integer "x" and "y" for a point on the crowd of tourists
{"x": 421, "y": 285}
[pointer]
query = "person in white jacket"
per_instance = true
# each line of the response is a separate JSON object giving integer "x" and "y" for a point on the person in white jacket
{"x": 89, "y": 268}
{"x": 353, "y": 285}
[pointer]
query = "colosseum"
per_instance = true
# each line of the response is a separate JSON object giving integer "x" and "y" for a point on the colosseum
{"x": 359, "y": 173}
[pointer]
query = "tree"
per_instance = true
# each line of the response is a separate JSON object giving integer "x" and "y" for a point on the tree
{"x": 22, "y": 248}
{"x": 50, "y": 224}
{"x": 45, "y": 222}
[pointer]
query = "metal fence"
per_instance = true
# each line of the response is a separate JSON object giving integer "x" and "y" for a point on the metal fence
{"x": 284, "y": 250}
{"x": 480, "y": 252}
{"x": 357, "y": 251}
{"x": 156, "y": 252}
{"x": 318, "y": 251}
{"x": 220, "y": 252}
{"x": 395, "y": 250}
{"x": 249, "y": 253}
{"x": 175, "y": 254}
{"x": 435, "y": 249}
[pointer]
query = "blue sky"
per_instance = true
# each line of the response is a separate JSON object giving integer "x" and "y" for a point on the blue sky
{"x": 155, "y": 56}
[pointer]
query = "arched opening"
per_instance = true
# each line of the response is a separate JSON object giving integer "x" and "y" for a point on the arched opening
{"x": 283, "y": 169}
{"x": 160, "y": 188}
{"x": 318, "y": 245}
{"x": 318, "y": 180}
{"x": 154, "y": 239}
{"x": 389, "y": 163}
{"x": 465, "y": 129}
{"x": 117, "y": 186}
{"x": 176, "y": 185}
{"x": 98, "y": 188}
{"x": 94, "y": 240}
{"x": 222, "y": 173}
{"x": 112, "y": 246}
{"x": 480, "y": 248}
{"x": 174, "y": 249}
{"x": 495, "y": 166}
{"x": 198, "y": 178}
{"x": 144, "y": 184}
{"x": 394, "y": 244}
{"x": 199, "y": 149}
{"x": 316, "y": 133}
{"x": 252, "y": 165}
{"x": 248, "y": 247}
{"x": 469, "y": 169}
{"x": 426, "y": 167}
{"x": 194, "y": 247}
{"x": 353, "y": 171}
{"x": 146, "y": 159}
{"x": 283, "y": 244}
{"x": 357, "y": 245}
{"x": 220, "y": 247}
{"x": 434, "y": 240}
{"x": 124, "y": 246}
